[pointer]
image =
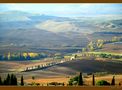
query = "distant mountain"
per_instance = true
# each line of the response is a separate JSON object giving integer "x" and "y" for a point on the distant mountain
{"x": 14, "y": 16}
{"x": 112, "y": 24}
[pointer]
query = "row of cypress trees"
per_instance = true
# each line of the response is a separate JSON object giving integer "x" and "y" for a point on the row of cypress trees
{"x": 11, "y": 79}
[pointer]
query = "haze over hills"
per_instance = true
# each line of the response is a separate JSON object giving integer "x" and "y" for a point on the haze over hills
{"x": 20, "y": 28}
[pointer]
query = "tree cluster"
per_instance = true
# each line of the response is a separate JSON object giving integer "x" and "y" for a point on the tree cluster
{"x": 22, "y": 56}
{"x": 98, "y": 44}
{"x": 9, "y": 80}
{"x": 104, "y": 55}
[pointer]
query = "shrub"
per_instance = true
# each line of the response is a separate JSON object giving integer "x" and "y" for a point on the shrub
{"x": 56, "y": 83}
{"x": 71, "y": 81}
{"x": 77, "y": 80}
{"x": 102, "y": 83}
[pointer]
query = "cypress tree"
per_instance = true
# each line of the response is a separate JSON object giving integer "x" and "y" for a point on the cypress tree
{"x": 33, "y": 77}
{"x": 80, "y": 80}
{"x": 63, "y": 84}
{"x": 0, "y": 81}
{"x": 113, "y": 81}
{"x": 93, "y": 80}
{"x": 4, "y": 82}
{"x": 119, "y": 84}
{"x": 13, "y": 80}
{"x": 22, "y": 81}
{"x": 8, "y": 80}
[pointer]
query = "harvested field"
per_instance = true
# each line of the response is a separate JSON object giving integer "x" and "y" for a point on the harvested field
{"x": 63, "y": 72}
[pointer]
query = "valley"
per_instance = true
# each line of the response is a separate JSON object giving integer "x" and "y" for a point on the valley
{"x": 48, "y": 50}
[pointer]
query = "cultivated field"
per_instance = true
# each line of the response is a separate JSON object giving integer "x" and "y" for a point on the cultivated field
{"x": 62, "y": 72}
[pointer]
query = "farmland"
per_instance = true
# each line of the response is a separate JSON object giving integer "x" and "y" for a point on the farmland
{"x": 51, "y": 45}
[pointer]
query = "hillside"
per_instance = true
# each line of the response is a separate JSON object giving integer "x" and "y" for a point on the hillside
{"x": 87, "y": 66}
{"x": 112, "y": 47}
{"x": 65, "y": 69}
{"x": 20, "y": 29}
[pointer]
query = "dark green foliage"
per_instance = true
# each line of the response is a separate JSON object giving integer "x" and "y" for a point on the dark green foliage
{"x": 33, "y": 77}
{"x": 4, "y": 82}
{"x": 93, "y": 80}
{"x": 0, "y": 81}
{"x": 63, "y": 84}
{"x": 102, "y": 83}
{"x": 8, "y": 80}
{"x": 72, "y": 80}
{"x": 22, "y": 81}
{"x": 80, "y": 80}
{"x": 37, "y": 84}
{"x": 13, "y": 79}
{"x": 56, "y": 84}
{"x": 119, "y": 84}
{"x": 113, "y": 81}
{"x": 104, "y": 55}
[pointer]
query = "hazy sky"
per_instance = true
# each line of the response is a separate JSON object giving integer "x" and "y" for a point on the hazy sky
{"x": 65, "y": 9}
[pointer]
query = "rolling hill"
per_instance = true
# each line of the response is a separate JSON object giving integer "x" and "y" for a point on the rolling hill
{"x": 44, "y": 31}
{"x": 87, "y": 66}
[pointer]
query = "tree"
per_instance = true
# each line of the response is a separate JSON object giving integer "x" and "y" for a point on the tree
{"x": 102, "y": 83}
{"x": 119, "y": 84}
{"x": 84, "y": 49}
{"x": 99, "y": 43}
{"x": 113, "y": 81}
{"x": 80, "y": 80}
{"x": 90, "y": 46}
{"x": 33, "y": 77}
{"x": 22, "y": 81}
{"x": 4, "y": 82}
{"x": 9, "y": 56}
{"x": 114, "y": 39}
{"x": 93, "y": 80}
{"x": 13, "y": 80}
{"x": 63, "y": 84}
{"x": 8, "y": 82}
{"x": 0, "y": 81}
{"x": 72, "y": 80}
